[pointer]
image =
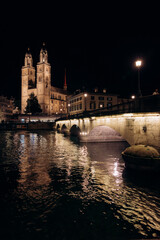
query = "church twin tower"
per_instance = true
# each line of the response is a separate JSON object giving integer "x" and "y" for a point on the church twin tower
{"x": 41, "y": 86}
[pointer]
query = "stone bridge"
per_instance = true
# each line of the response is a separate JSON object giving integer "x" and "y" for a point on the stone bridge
{"x": 135, "y": 128}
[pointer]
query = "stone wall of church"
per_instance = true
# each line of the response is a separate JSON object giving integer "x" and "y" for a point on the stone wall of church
{"x": 41, "y": 85}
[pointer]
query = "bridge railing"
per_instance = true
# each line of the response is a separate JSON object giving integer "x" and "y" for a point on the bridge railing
{"x": 141, "y": 104}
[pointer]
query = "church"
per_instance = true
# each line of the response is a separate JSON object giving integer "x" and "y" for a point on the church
{"x": 52, "y": 100}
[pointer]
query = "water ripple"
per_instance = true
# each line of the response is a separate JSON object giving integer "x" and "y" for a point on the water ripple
{"x": 56, "y": 186}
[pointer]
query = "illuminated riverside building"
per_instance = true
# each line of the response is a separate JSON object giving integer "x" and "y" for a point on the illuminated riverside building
{"x": 51, "y": 99}
{"x": 89, "y": 101}
{"x": 6, "y": 108}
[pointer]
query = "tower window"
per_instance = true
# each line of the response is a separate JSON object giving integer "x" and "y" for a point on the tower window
{"x": 40, "y": 79}
{"x": 31, "y": 84}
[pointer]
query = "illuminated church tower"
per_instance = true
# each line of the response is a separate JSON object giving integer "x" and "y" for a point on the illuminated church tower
{"x": 44, "y": 81}
{"x": 52, "y": 100}
{"x": 27, "y": 79}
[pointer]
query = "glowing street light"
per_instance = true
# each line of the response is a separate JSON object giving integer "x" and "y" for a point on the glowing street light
{"x": 85, "y": 95}
{"x": 133, "y": 97}
{"x": 138, "y": 65}
{"x": 68, "y": 108}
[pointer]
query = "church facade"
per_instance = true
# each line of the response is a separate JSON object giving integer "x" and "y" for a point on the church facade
{"x": 52, "y": 100}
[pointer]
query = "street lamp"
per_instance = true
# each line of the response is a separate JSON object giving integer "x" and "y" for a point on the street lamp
{"x": 85, "y": 95}
{"x": 68, "y": 108}
{"x": 138, "y": 65}
{"x": 133, "y": 97}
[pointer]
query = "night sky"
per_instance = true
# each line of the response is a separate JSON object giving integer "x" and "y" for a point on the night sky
{"x": 93, "y": 56}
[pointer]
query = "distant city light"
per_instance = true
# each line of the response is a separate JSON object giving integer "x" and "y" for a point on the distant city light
{"x": 133, "y": 97}
{"x": 85, "y": 95}
{"x": 83, "y": 133}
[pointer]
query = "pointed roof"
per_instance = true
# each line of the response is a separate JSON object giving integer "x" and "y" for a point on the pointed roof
{"x": 65, "y": 81}
{"x": 43, "y": 49}
{"x": 28, "y": 53}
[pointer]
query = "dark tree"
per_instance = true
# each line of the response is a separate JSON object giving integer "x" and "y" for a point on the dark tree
{"x": 32, "y": 105}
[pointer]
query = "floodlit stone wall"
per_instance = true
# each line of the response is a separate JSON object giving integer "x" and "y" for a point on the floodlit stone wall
{"x": 135, "y": 128}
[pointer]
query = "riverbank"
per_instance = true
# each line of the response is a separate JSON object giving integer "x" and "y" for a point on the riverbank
{"x": 27, "y": 126}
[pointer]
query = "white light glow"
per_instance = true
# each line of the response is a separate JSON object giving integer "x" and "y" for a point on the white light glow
{"x": 83, "y": 133}
{"x": 128, "y": 114}
{"x": 115, "y": 172}
{"x": 138, "y": 63}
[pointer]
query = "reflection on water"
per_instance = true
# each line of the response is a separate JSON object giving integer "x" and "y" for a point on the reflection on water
{"x": 54, "y": 188}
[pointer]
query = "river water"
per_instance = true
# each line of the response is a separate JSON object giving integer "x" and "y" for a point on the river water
{"x": 52, "y": 187}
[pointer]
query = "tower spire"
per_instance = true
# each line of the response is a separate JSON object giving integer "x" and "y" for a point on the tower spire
{"x": 65, "y": 81}
{"x": 28, "y": 58}
{"x": 43, "y": 54}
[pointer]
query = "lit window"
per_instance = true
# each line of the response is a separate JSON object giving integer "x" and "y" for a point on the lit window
{"x": 101, "y": 105}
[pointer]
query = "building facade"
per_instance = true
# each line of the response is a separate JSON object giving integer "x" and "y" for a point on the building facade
{"x": 89, "y": 101}
{"x": 6, "y": 108}
{"x": 51, "y": 99}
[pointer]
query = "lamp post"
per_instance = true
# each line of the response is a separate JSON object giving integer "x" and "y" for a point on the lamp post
{"x": 85, "y": 95}
{"x": 138, "y": 65}
{"x": 68, "y": 109}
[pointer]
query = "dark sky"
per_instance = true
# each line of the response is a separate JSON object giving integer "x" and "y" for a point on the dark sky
{"x": 93, "y": 55}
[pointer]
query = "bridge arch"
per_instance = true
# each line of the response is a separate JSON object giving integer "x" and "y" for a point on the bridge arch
{"x": 58, "y": 127}
{"x": 103, "y": 133}
{"x": 64, "y": 129}
{"x": 75, "y": 130}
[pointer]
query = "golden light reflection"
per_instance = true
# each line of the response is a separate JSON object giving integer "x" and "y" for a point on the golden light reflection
{"x": 131, "y": 202}
{"x": 95, "y": 168}
{"x": 83, "y": 151}
{"x": 32, "y": 167}
{"x": 115, "y": 172}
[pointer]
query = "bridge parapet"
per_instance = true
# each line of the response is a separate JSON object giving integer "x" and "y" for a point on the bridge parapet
{"x": 139, "y": 105}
